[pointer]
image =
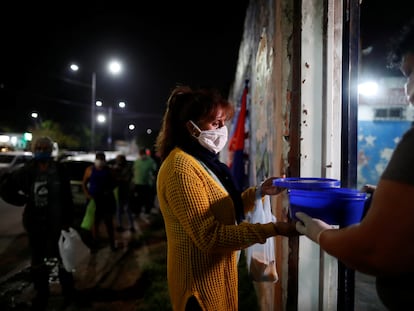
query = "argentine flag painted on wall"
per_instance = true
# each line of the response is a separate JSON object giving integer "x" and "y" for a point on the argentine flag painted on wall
{"x": 237, "y": 142}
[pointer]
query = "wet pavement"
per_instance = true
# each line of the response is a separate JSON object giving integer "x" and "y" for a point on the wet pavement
{"x": 107, "y": 280}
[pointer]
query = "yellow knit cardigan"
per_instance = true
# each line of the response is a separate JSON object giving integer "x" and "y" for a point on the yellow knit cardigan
{"x": 202, "y": 235}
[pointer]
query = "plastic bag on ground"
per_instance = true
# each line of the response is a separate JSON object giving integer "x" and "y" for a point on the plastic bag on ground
{"x": 72, "y": 250}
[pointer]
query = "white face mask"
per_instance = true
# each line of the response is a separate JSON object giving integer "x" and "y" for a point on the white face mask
{"x": 213, "y": 140}
{"x": 99, "y": 163}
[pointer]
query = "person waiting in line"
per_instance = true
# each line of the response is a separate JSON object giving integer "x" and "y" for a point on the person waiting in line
{"x": 43, "y": 186}
{"x": 123, "y": 175}
{"x": 144, "y": 170}
{"x": 381, "y": 244}
{"x": 98, "y": 183}
{"x": 202, "y": 208}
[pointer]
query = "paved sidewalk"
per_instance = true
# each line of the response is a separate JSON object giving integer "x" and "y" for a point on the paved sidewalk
{"x": 107, "y": 280}
{"x": 112, "y": 281}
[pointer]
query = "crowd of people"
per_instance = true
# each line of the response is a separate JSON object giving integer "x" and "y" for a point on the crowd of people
{"x": 42, "y": 185}
{"x": 119, "y": 190}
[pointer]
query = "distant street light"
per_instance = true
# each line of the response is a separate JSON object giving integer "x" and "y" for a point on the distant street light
{"x": 36, "y": 118}
{"x": 114, "y": 67}
{"x": 34, "y": 115}
{"x": 93, "y": 99}
{"x": 101, "y": 118}
{"x": 369, "y": 89}
{"x": 129, "y": 131}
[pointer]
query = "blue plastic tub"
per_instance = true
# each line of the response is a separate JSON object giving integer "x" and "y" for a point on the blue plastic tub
{"x": 336, "y": 206}
{"x": 308, "y": 183}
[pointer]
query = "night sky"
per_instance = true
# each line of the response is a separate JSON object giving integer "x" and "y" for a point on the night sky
{"x": 159, "y": 44}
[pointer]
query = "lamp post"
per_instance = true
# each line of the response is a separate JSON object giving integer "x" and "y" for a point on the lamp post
{"x": 114, "y": 67}
{"x": 36, "y": 118}
{"x": 128, "y": 131}
{"x": 109, "y": 127}
{"x": 102, "y": 119}
{"x": 93, "y": 100}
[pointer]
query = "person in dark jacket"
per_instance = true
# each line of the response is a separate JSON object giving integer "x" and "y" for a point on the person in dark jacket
{"x": 123, "y": 175}
{"x": 43, "y": 186}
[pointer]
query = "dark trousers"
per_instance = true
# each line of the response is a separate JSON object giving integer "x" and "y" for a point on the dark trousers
{"x": 123, "y": 206}
{"x": 44, "y": 246}
{"x": 142, "y": 197}
{"x": 105, "y": 211}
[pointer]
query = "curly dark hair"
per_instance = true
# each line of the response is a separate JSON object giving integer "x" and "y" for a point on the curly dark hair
{"x": 401, "y": 45}
{"x": 186, "y": 104}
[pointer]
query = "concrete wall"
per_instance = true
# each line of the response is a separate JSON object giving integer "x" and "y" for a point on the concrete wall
{"x": 264, "y": 62}
{"x": 290, "y": 54}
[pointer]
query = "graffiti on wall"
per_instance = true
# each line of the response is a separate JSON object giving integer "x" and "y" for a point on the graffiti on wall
{"x": 262, "y": 117}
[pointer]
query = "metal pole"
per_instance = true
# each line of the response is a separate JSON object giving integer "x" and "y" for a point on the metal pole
{"x": 350, "y": 55}
{"x": 109, "y": 128}
{"x": 93, "y": 100}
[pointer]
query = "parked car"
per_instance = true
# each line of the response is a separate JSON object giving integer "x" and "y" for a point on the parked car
{"x": 11, "y": 160}
{"x": 76, "y": 169}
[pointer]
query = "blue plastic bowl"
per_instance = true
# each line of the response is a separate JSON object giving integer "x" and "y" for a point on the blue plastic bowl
{"x": 335, "y": 206}
{"x": 308, "y": 183}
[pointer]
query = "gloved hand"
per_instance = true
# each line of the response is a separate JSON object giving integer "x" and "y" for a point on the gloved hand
{"x": 311, "y": 227}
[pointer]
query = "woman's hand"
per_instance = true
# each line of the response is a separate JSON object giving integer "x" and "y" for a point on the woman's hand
{"x": 287, "y": 229}
{"x": 369, "y": 188}
{"x": 267, "y": 187}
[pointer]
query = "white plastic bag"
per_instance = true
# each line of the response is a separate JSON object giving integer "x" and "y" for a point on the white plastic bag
{"x": 72, "y": 249}
{"x": 261, "y": 258}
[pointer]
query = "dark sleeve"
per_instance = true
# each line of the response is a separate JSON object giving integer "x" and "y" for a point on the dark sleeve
{"x": 67, "y": 199}
{"x": 113, "y": 179}
{"x": 11, "y": 188}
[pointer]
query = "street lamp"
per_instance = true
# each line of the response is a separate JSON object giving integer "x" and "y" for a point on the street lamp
{"x": 102, "y": 119}
{"x": 93, "y": 99}
{"x": 129, "y": 130}
{"x": 36, "y": 118}
{"x": 114, "y": 67}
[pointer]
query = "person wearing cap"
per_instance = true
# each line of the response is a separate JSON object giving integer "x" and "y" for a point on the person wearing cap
{"x": 43, "y": 186}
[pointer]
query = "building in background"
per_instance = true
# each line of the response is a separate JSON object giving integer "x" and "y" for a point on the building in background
{"x": 383, "y": 116}
{"x": 15, "y": 141}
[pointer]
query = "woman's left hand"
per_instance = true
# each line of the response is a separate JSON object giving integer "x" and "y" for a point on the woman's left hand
{"x": 267, "y": 187}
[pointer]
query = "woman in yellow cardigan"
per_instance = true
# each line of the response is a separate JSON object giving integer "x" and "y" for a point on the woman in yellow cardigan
{"x": 202, "y": 209}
